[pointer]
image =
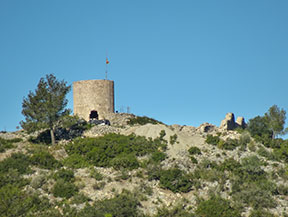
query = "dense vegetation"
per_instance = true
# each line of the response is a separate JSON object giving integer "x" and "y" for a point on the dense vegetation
{"x": 122, "y": 205}
{"x": 255, "y": 176}
{"x": 217, "y": 207}
{"x": 113, "y": 150}
{"x": 265, "y": 129}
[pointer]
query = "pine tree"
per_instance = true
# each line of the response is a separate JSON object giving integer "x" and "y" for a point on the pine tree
{"x": 44, "y": 107}
{"x": 276, "y": 119}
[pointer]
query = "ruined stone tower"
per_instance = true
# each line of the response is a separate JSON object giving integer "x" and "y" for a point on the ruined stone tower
{"x": 93, "y": 98}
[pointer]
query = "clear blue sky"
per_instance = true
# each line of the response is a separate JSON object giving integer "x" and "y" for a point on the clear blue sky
{"x": 184, "y": 62}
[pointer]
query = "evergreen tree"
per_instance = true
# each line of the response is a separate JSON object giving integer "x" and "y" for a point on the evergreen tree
{"x": 44, "y": 107}
{"x": 270, "y": 125}
{"x": 276, "y": 119}
{"x": 259, "y": 126}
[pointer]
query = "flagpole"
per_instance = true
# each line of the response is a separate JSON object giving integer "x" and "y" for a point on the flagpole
{"x": 106, "y": 71}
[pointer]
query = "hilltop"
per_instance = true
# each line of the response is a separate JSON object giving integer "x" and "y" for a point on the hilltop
{"x": 138, "y": 166}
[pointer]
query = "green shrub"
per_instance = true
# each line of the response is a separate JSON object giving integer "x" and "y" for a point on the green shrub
{"x": 12, "y": 177}
{"x": 229, "y": 165}
{"x": 14, "y": 202}
{"x": 64, "y": 189}
{"x": 122, "y": 205}
{"x": 38, "y": 181}
{"x": 282, "y": 189}
{"x": 250, "y": 185}
{"x": 173, "y": 139}
{"x": 229, "y": 144}
{"x": 66, "y": 175}
{"x": 139, "y": 174}
{"x": 194, "y": 160}
{"x": 210, "y": 175}
{"x": 277, "y": 143}
{"x": 261, "y": 213}
{"x": 194, "y": 150}
{"x": 153, "y": 172}
{"x": 52, "y": 212}
{"x": 125, "y": 161}
{"x": 163, "y": 144}
{"x": 175, "y": 211}
{"x": 80, "y": 198}
{"x": 95, "y": 174}
{"x": 75, "y": 161}
{"x": 162, "y": 134}
{"x": 146, "y": 189}
{"x": 114, "y": 150}
{"x": 99, "y": 185}
{"x": 10, "y": 199}
{"x": 255, "y": 194}
{"x": 15, "y": 140}
{"x": 252, "y": 146}
{"x": 8, "y": 143}
{"x": 206, "y": 163}
{"x": 217, "y": 207}
{"x": 124, "y": 175}
{"x": 281, "y": 151}
{"x": 142, "y": 121}
{"x": 45, "y": 160}
{"x": 283, "y": 173}
{"x": 264, "y": 153}
{"x": 244, "y": 139}
{"x": 17, "y": 161}
{"x": 173, "y": 179}
{"x": 251, "y": 168}
{"x": 158, "y": 156}
{"x": 212, "y": 140}
{"x": 209, "y": 171}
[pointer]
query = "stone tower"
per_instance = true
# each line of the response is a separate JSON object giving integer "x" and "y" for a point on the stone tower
{"x": 93, "y": 98}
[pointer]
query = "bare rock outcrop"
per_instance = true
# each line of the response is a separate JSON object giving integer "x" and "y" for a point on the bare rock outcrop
{"x": 240, "y": 122}
{"x": 229, "y": 122}
{"x": 119, "y": 119}
{"x": 100, "y": 131}
{"x": 206, "y": 128}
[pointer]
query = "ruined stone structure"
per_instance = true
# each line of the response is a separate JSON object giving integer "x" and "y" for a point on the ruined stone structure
{"x": 229, "y": 122}
{"x": 93, "y": 99}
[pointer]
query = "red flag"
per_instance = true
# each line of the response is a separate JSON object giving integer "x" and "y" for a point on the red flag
{"x": 107, "y": 61}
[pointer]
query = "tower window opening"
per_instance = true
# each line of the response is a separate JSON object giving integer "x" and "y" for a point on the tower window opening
{"x": 93, "y": 115}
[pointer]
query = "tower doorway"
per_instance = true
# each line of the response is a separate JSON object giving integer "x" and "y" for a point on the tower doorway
{"x": 93, "y": 115}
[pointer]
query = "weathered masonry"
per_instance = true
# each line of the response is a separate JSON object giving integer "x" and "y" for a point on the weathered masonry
{"x": 93, "y": 99}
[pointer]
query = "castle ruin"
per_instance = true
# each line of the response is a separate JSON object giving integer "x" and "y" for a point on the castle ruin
{"x": 93, "y": 99}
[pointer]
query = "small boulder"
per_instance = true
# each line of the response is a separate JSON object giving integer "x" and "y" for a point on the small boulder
{"x": 206, "y": 128}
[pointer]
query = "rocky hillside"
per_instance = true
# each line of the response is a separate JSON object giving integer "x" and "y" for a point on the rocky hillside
{"x": 141, "y": 167}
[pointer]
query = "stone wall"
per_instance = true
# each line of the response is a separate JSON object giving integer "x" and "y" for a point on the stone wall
{"x": 91, "y": 95}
